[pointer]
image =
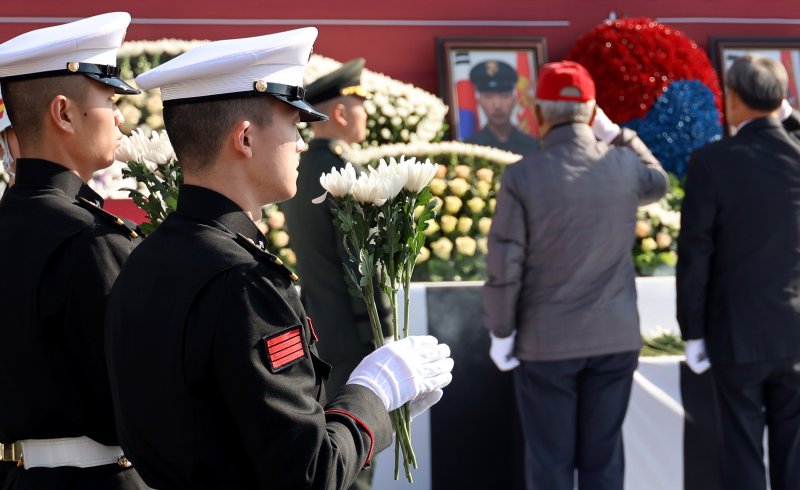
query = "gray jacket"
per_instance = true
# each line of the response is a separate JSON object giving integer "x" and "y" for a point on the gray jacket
{"x": 559, "y": 265}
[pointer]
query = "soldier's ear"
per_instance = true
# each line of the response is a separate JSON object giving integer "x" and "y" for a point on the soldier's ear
{"x": 60, "y": 114}
{"x": 242, "y": 139}
{"x": 338, "y": 114}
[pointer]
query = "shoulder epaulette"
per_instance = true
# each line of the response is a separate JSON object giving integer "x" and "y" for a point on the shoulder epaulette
{"x": 259, "y": 251}
{"x": 116, "y": 220}
{"x": 339, "y": 147}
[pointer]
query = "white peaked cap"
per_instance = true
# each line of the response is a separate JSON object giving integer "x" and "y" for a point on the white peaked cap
{"x": 264, "y": 65}
{"x": 87, "y": 47}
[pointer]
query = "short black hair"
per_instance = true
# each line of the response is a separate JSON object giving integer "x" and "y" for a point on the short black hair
{"x": 759, "y": 81}
{"x": 27, "y": 101}
{"x": 197, "y": 130}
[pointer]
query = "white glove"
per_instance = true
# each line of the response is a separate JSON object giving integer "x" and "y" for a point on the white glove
{"x": 785, "y": 110}
{"x": 603, "y": 127}
{"x": 424, "y": 402}
{"x": 696, "y": 357}
{"x": 406, "y": 370}
{"x": 502, "y": 352}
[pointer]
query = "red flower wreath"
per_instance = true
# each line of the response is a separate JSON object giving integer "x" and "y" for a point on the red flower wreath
{"x": 633, "y": 61}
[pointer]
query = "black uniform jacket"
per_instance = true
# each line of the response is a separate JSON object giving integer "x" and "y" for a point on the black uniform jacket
{"x": 738, "y": 273}
{"x": 216, "y": 380}
{"x": 60, "y": 256}
{"x": 340, "y": 319}
{"x": 518, "y": 142}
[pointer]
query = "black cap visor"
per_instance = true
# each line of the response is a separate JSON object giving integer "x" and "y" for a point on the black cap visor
{"x": 307, "y": 112}
{"x": 119, "y": 86}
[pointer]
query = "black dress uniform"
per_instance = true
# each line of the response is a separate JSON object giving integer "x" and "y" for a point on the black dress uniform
{"x": 63, "y": 253}
{"x": 222, "y": 385}
{"x": 340, "y": 319}
{"x": 518, "y": 142}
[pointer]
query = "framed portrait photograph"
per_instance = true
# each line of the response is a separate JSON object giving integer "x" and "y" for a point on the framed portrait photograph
{"x": 724, "y": 50}
{"x": 489, "y": 84}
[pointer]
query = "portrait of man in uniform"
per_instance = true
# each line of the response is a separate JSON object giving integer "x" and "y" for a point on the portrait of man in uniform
{"x": 488, "y": 85}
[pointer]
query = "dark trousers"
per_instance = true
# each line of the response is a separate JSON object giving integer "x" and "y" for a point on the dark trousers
{"x": 752, "y": 397}
{"x": 572, "y": 413}
{"x": 106, "y": 477}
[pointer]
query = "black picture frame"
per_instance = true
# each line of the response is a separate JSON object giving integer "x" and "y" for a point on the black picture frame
{"x": 724, "y": 50}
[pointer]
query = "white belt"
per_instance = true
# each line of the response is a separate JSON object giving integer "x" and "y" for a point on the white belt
{"x": 81, "y": 452}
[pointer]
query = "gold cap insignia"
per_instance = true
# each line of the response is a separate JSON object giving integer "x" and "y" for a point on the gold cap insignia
{"x": 123, "y": 461}
{"x": 73, "y": 66}
{"x": 492, "y": 68}
{"x": 261, "y": 86}
{"x": 357, "y": 90}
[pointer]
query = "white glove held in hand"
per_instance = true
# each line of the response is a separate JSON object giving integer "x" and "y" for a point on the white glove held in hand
{"x": 502, "y": 352}
{"x": 424, "y": 402}
{"x": 696, "y": 357}
{"x": 603, "y": 128}
{"x": 406, "y": 370}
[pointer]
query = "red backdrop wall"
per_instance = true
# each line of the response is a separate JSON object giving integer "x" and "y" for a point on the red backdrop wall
{"x": 399, "y": 38}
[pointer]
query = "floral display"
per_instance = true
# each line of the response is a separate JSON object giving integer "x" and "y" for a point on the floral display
{"x": 382, "y": 215}
{"x": 466, "y": 182}
{"x": 657, "y": 228}
{"x": 634, "y": 63}
{"x": 691, "y": 104}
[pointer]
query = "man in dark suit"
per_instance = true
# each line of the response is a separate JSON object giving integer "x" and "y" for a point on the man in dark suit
{"x": 738, "y": 277}
{"x": 340, "y": 319}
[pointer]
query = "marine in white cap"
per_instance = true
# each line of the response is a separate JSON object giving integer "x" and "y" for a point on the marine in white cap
{"x": 219, "y": 384}
{"x": 59, "y": 85}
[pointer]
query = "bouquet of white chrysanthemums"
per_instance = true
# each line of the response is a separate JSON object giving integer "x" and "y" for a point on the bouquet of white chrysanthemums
{"x": 152, "y": 163}
{"x": 382, "y": 214}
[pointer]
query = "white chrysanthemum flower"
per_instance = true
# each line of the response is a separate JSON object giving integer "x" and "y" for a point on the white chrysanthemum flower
{"x": 419, "y": 175}
{"x": 337, "y": 183}
{"x": 152, "y": 151}
{"x": 370, "y": 189}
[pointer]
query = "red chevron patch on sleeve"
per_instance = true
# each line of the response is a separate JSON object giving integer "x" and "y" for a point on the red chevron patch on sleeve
{"x": 285, "y": 348}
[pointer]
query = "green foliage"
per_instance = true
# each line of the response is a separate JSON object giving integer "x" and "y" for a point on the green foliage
{"x": 162, "y": 191}
{"x": 667, "y": 344}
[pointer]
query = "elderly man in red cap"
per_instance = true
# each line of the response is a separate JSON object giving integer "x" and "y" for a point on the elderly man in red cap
{"x": 560, "y": 299}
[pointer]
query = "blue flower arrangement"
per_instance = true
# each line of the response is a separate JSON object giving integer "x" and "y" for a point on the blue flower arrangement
{"x": 682, "y": 119}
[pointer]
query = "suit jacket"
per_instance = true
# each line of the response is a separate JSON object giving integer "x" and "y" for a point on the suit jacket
{"x": 559, "y": 266}
{"x": 738, "y": 273}
{"x": 341, "y": 320}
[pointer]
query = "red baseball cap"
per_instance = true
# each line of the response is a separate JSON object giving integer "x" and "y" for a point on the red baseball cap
{"x": 565, "y": 80}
